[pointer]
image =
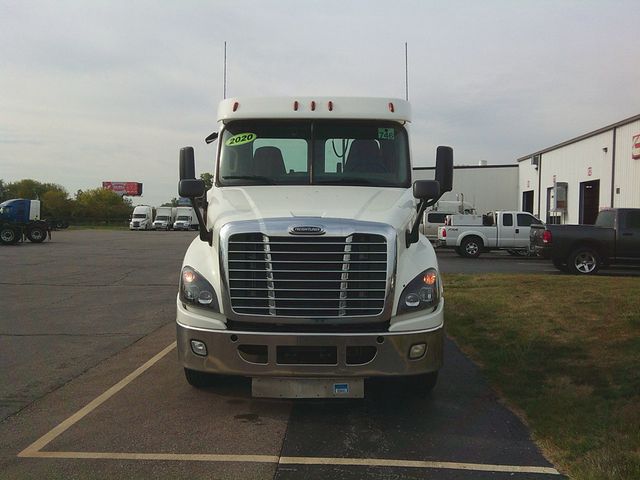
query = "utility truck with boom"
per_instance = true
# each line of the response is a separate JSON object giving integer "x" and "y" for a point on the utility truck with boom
{"x": 470, "y": 235}
{"x": 309, "y": 274}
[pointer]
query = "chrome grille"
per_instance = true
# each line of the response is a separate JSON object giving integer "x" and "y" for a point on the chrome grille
{"x": 309, "y": 277}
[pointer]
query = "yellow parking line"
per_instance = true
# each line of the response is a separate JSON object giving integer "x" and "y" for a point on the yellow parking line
{"x": 364, "y": 462}
{"x": 383, "y": 462}
{"x": 34, "y": 450}
{"x": 182, "y": 457}
{"x": 95, "y": 403}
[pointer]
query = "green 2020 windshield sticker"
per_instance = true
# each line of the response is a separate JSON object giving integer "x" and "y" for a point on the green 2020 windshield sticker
{"x": 386, "y": 134}
{"x": 240, "y": 139}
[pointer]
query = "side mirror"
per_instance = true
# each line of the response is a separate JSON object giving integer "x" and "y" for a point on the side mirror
{"x": 191, "y": 188}
{"x": 426, "y": 189}
{"x": 444, "y": 169}
{"x": 194, "y": 189}
{"x": 187, "y": 164}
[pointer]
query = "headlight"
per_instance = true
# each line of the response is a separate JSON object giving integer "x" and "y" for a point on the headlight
{"x": 422, "y": 292}
{"x": 196, "y": 291}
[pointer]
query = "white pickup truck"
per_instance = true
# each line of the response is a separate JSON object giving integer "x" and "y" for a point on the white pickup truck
{"x": 310, "y": 274}
{"x": 470, "y": 235}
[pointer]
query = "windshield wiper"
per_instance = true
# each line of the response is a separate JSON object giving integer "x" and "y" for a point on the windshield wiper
{"x": 256, "y": 178}
{"x": 346, "y": 181}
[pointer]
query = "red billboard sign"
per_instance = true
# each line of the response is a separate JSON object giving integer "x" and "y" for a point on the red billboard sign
{"x": 130, "y": 189}
{"x": 635, "y": 147}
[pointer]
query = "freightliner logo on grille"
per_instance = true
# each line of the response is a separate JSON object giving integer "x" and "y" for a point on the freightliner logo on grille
{"x": 306, "y": 230}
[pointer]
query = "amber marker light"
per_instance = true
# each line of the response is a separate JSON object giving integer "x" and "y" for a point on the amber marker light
{"x": 188, "y": 276}
{"x": 430, "y": 278}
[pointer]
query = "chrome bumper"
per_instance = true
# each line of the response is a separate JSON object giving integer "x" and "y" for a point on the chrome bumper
{"x": 391, "y": 356}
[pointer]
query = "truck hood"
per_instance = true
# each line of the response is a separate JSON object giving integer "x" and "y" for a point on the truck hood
{"x": 392, "y": 206}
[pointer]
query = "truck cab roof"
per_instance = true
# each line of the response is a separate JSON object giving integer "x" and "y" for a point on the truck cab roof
{"x": 345, "y": 108}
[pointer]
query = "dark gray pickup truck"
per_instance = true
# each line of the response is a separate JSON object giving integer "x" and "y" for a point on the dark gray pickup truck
{"x": 583, "y": 249}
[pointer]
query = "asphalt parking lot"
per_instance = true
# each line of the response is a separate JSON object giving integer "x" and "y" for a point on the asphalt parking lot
{"x": 91, "y": 388}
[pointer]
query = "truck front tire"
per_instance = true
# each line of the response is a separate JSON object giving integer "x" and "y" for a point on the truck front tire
{"x": 471, "y": 247}
{"x": 9, "y": 235}
{"x": 420, "y": 385}
{"x": 584, "y": 261}
{"x": 36, "y": 234}
{"x": 198, "y": 379}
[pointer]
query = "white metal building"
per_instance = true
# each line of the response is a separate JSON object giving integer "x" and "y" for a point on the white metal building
{"x": 486, "y": 187}
{"x": 572, "y": 181}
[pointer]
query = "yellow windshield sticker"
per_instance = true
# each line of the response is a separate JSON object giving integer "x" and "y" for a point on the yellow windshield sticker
{"x": 240, "y": 139}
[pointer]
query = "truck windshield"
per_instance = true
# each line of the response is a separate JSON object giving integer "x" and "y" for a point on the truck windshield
{"x": 139, "y": 215}
{"x": 345, "y": 152}
{"x": 162, "y": 217}
{"x": 183, "y": 217}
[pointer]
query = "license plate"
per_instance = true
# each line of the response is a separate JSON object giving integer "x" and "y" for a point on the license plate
{"x": 284, "y": 387}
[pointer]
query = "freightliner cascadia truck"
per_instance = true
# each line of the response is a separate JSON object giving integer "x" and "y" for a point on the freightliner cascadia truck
{"x": 309, "y": 274}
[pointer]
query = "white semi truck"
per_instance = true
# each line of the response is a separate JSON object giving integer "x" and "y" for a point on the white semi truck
{"x": 186, "y": 219}
{"x": 141, "y": 218}
{"x": 165, "y": 216}
{"x": 309, "y": 274}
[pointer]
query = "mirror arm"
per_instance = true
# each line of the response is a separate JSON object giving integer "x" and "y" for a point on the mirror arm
{"x": 413, "y": 235}
{"x": 205, "y": 235}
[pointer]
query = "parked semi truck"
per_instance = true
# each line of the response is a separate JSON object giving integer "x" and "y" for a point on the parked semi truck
{"x": 309, "y": 274}
{"x": 20, "y": 218}
{"x": 141, "y": 218}
{"x": 186, "y": 219}
{"x": 470, "y": 235}
{"x": 165, "y": 216}
{"x": 583, "y": 249}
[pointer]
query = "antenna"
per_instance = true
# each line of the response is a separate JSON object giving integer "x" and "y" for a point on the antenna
{"x": 406, "y": 71}
{"x": 224, "y": 81}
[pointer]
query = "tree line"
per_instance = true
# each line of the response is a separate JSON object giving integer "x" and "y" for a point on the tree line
{"x": 97, "y": 205}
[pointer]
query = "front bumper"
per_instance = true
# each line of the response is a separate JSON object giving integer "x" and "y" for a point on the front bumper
{"x": 391, "y": 357}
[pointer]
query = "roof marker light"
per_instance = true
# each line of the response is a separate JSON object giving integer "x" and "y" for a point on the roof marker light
{"x": 295, "y": 105}
{"x": 235, "y": 106}
{"x": 391, "y": 108}
{"x": 313, "y": 105}
{"x": 330, "y": 106}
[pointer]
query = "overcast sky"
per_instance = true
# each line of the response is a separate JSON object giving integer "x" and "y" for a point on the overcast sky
{"x": 93, "y": 91}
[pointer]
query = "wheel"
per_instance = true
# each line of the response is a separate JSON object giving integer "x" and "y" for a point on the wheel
{"x": 421, "y": 384}
{"x": 9, "y": 235}
{"x": 516, "y": 253}
{"x": 198, "y": 379}
{"x": 471, "y": 247}
{"x": 560, "y": 264}
{"x": 584, "y": 261}
{"x": 36, "y": 234}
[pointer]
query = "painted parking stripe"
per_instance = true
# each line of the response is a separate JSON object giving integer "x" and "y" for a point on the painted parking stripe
{"x": 93, "y": 404}
{"x": 34, "y": 450}
{"x": 364, "y": 462}
{"x": 383, "y": 462}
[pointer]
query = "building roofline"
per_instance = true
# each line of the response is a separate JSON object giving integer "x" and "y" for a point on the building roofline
{"x": 456, "y": 167}
{"x": 582, "y": 137}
